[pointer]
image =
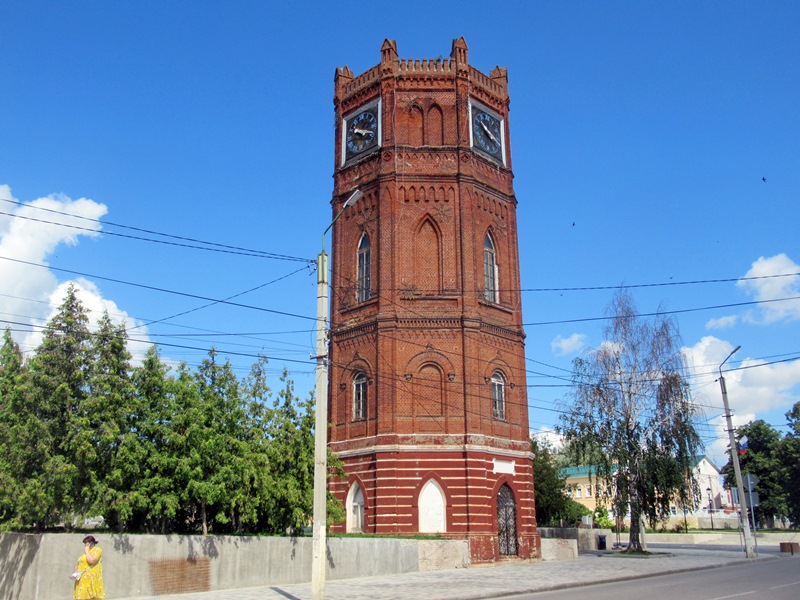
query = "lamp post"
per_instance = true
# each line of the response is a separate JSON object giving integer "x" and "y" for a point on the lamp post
{"x": 710, "y": 508}
{"x": 748, "y": 540}
{"x": 321, "y": 417}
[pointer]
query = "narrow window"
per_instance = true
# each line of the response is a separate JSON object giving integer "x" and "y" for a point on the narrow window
{"x": 362, "y": 285}
{"x": 498, "y": 396}
{"x": 360, "y": 397}
{"x": 490, "y": 291}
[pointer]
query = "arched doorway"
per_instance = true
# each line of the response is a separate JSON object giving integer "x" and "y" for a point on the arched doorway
{"x": 507, "y": 522}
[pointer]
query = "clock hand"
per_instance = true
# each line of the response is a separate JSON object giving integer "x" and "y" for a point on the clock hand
{"x": 361, "y": 132}
{"x": 491, "y": 135}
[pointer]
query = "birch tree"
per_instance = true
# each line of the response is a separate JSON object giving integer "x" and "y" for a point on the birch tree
{"x": 631, "y": 409}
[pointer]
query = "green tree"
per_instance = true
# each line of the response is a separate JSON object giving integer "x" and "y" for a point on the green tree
{"x": 12, "y": 460}
{"x": 208, "y": 421}
{"x": 790, "y": 459}
{"x": 632, "y": 402}
{"x": 52, "y": 491}
{"x": 105, "y": 440}
{"x": 551, "y": 495}
{"x": 762, "y": 459}
{"x": 290, "y": 448}
{"x": 156, "y": 491}
{"x": 257, "y": 478}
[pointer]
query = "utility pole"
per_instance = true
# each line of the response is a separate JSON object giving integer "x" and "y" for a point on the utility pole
{"x": 748, "y": 539}
{"x": 319, "y": 547}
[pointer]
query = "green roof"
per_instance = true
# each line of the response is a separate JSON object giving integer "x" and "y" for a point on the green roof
{"x": 582, "y": 471}
{"x": 587, "y": 470}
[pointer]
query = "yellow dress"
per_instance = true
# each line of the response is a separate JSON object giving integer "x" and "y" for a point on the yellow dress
{"x": 90, "y": 585}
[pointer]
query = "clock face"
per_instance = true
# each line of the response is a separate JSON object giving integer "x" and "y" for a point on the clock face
{"x": 361, "y": 132}
{"x": 487, "y": 133}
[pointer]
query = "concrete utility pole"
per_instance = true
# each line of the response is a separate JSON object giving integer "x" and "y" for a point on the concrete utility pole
{"x": 748, "y": 539}
{"x": 318, "y": 551}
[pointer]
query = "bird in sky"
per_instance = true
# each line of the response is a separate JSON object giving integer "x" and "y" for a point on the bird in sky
{"x": 764, "y": 179}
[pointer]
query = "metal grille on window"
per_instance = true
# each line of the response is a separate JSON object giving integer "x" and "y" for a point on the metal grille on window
{"x": 363, "y": 285}
{"x": 507, "y": 522}
{"x": 498, "y": 396}
{"x": 359, "y": 397}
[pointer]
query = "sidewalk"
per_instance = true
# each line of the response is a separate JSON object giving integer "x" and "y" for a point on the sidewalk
{"x": 491, "y": 581}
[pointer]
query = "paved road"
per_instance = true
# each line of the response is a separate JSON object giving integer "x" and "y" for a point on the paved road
{"x": 762, "y": 580}
{"x": 496, "y": 581}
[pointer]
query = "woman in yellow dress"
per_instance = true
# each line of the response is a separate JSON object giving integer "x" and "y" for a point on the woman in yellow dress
{"x": 89, "y": 586}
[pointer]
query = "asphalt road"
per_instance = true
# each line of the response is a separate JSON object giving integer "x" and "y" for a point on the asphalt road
{"x": 774, "y": 579}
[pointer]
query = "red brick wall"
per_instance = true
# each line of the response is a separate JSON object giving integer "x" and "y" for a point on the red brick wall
{"x": 426, "y": 340}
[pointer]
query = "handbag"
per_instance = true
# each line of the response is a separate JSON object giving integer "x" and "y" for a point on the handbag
{"x": 76, "y": 575}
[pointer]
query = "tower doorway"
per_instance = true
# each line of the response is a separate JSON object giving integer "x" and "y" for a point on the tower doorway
{"x": 507, "y": 522}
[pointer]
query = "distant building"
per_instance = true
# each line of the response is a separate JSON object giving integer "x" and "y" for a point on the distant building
{"x": 712, "y": 500}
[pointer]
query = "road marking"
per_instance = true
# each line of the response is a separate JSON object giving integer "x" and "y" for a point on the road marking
{"x": 734, "y": 595}
{"x": 777, "y": 587}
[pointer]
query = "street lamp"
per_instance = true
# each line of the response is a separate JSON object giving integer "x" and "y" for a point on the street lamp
{"x": 748, "y": 540}
{"x": 710, "y": 507}
{"x": 321, "y": 418}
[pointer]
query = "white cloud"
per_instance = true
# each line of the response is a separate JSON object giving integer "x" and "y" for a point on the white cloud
{"x": 574, "y": 343}
{"x": 30, "y": 295}
{"x": 772, "y": 288}
{"x": 754, "y": 387}
{"x": 751, "y": 391}
{"x": 722, "y": 322}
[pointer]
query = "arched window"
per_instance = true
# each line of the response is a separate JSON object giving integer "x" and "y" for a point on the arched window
{"x": 490, "y": 291}
{"x": 355, "y": 509}
{"x": 359, "y": 397}
{"x": 498, "y": 396}
{"x": 362, "y": 285}
{"x": 432, "y": 512}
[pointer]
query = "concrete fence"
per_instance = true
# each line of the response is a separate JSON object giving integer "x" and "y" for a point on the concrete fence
{"x": 37, "y": 566}
{"x": 586, "y": 539}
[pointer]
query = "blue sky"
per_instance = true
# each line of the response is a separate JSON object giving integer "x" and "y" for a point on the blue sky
{"x": 640, "y": 134}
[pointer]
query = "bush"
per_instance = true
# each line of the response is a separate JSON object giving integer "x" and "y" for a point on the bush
{"x": 601, "y": 518}
{"x": 572, "y": 511}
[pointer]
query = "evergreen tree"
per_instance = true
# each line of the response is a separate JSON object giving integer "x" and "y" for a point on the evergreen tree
{"x": 52, "y": 488}
{"x": 105, "y": 441}
{"x": 155, "y": 492}
{"x": 208, "y": 421}
{"x": 12, "y": 460}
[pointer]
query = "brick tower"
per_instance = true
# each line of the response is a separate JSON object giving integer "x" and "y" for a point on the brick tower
{"x": 428, "y": 398}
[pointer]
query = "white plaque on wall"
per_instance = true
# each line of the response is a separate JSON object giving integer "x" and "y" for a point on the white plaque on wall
{"x": 504, "y": 466}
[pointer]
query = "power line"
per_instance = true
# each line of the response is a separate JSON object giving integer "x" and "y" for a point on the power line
{"x": 209, "y": 246}
{"x": 661, "y": 284}
{"x": 661, "y": 313}
{"x": 159, "y": 289}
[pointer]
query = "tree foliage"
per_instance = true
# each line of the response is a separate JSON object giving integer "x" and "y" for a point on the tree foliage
{"x": 551, "y": 496}
{"x": 83, "y": 433}
{"x": 790, "y": 459}
{"x": 773, "y": 460}
{"x": 632, "y": 411}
